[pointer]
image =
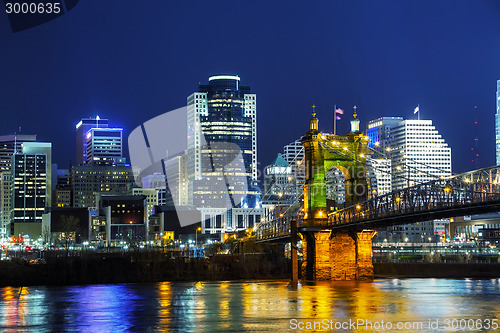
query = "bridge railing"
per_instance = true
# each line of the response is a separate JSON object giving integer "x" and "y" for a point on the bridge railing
{"x": 276, "y": 228}
{"x": 467, "y": 189}
{"x": 453, "y": 192}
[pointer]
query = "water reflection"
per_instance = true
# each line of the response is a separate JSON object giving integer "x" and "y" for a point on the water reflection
{"x": 265, "y": 306}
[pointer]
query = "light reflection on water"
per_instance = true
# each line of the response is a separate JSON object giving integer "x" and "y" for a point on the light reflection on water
{"x": 263, "y": 306}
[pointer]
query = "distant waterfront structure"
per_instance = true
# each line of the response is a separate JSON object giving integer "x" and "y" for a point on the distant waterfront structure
{"x": 497, "y": 125}
{"x": 82, "y": 128}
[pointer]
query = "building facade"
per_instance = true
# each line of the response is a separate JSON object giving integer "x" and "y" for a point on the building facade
{"x": 221, "y": 126}
{"x": 6, "y": 201}
{"x": 29, "y": 193}
{"x": 177, "y": 177}
{"x": 279, "y": 183}
{"x": 104, "y": 146}
{"x": 380, "y": 131}
{"x": 418, "y": 153}
{"x": 10, "y": 144}
{"x": 82, "y": 128}
{"x": 89, "y": 180}
{"x": 294, "y": 154}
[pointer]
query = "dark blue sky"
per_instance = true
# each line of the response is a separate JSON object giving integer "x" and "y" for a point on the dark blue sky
{"x": 129, "y": 61}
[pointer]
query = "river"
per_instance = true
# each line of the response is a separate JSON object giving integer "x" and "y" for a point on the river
{"x": 383, "y": 305}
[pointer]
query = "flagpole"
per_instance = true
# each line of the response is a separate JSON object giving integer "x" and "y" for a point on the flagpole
{"x": 418, "y": 106}
{"x": 335, "y": 119}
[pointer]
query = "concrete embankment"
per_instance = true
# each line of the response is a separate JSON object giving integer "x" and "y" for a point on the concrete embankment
{"x": 96, "y": 268}
{"x": 437, "y": 270}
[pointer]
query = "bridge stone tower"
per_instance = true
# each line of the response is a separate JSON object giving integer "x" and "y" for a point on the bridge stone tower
{"x": 334, "y": 255}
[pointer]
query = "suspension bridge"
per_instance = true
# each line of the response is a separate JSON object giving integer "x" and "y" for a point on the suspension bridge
{"x": 337, "y": 241}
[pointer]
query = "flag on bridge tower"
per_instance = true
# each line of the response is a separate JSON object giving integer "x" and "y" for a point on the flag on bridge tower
{"x": 335, "y": 118}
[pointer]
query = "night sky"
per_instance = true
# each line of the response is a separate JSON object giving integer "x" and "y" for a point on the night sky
{"x": 129, "y": 61}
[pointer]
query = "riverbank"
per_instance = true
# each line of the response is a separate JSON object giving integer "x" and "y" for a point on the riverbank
{"x": 139, "y": 267}
{"x": 436, "y": 270}
{"x": 154, "y": 266}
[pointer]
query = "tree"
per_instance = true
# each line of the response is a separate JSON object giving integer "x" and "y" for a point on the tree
{"x": 68, "y": 228}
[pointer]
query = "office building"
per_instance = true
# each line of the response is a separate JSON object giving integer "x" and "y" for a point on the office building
{"x": 82, "y": 128}
{"x": 381, "y": 180}
{"x": 29, "y": 193}
{"x": 335, "y": 187}
{"x": 279, "y": 184}
{"x": 6, "y": 202}
{"x": 418, "y": 154}
{"x": 9, "y": 144}
{"x": 410, "y": 152}
{"x": 89, "y": 180}
{"x": 221, "y": 127}
{"x": 380, "y": 131}
{"x": 125, "y": 217}
{"x": 294, "y": 154}
{"x": 61, "y": 195}
{"x": 151, "y": 198}
{"x": 156, "y": 180}
{"x": 42, "y": 148}
{"x": 104, "y": 146}
{"x": 177, "y": 178}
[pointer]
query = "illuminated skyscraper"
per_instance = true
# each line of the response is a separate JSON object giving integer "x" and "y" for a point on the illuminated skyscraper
{"x": 31, "y": 188}
{"x": 419, "y": 154}
{"x": 9, "y": 144}
{"x": 82, "y": 128}
{"x": 379, "y": 131}
{"x": 222, "y": 114}
{"x": 104, "y": 145}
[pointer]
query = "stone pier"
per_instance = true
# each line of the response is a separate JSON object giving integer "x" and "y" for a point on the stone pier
{"x": 331, "y": 255}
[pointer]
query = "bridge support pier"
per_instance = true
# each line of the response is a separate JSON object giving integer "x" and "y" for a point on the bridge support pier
{"x": 330, "y": 255}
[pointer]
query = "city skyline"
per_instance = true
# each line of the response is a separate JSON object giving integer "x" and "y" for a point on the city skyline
{"x": 379, "y": 57}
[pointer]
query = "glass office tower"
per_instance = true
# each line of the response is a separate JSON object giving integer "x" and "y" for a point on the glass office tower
{"x": 222, "y": 125}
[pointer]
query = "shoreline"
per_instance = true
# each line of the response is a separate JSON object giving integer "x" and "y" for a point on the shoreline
{"x": 437, "y": 270}
{"x": 150, "y": 267}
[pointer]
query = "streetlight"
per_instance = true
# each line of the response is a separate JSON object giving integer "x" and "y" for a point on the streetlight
{"x": 196, "y": 235}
